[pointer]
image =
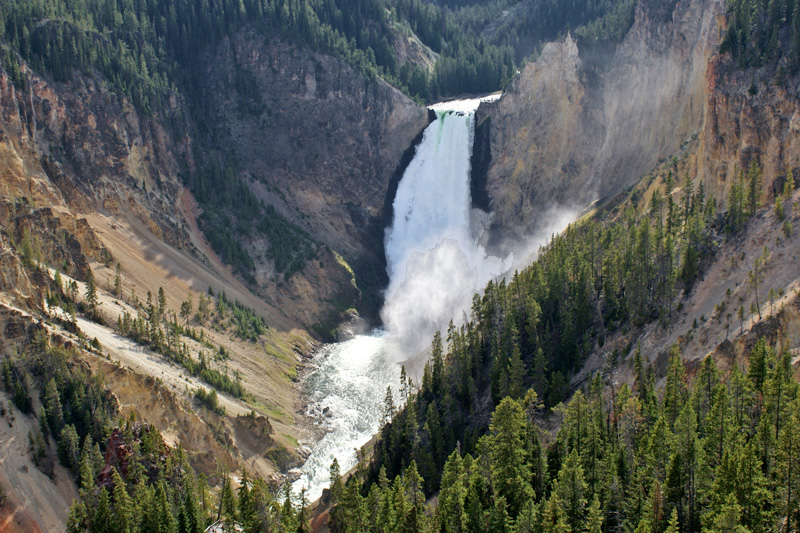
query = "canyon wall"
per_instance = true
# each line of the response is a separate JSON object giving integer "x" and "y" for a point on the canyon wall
{"x": 311, "y": 137}
{"x": 587, "y": 120}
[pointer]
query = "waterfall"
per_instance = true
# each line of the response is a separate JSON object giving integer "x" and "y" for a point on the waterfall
{"x": 435, "y": 264}
{"x": 434, "y": 259}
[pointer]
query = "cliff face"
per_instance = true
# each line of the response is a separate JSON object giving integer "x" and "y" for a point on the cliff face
{"x": 311, "y": 137}
{"x": 577, "y": 125}
{"x": 79, "y": 147}
{"x": 314, "y": 138}
{"x": 747, "y": 118}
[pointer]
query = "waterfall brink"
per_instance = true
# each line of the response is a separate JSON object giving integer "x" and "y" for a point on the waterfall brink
{"x": 434, "y": 259}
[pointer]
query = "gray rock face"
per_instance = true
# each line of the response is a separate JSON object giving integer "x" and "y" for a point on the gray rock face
{"x": 578, "y": 125}
{"x": 317, "y": 139}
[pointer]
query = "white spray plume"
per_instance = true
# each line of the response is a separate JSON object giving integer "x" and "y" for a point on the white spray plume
{"x": 434, "y": 259}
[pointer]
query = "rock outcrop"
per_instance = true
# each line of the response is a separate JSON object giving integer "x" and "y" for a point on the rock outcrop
{"x": 748, "y": 117}
{"x": 315, "y": 139}
{"x": 78, "y": 146}
{"x": 583, "y": 122}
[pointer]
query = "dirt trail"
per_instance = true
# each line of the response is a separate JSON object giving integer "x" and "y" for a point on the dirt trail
{"x": 268, "y": 367}
{"x": 138, "y": 358}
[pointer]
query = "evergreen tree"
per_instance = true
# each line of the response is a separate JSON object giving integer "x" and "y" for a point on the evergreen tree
{"x": 571, "y": 490}
{"x": 91, "y": 293}
{"x": 508, "y": 457}
{"x": 452, "y": 497}
{"x": 118, "y": 281}
{"x": 123, "y": 506}
{"x": 102, "y": 521}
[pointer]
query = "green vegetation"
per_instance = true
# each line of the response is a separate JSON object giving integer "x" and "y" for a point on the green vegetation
{"x": 624, "y": 460}
{"x": 594, "y": 279}
{"x": 129, "y": 480}
{"x": 764, "y": 33}
{"x": 75, "y": 410}
{"x": 247, "y": 323}
{"x": 156, "y": 489}
{"x": 150, "y": 49}
{"x": 289, "y": 246}
{"x": 209, "y": 400}
{"x": 224, "y": 192}
{"x": 714, "y": 454}
{"x": 164, "y": 338}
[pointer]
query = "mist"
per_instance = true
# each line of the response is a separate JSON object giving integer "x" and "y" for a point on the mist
{"x": 435, "y": 259}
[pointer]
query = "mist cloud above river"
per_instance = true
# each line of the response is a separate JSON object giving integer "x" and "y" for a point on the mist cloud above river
{"x": 437, "y": 283}
{"x": 434, "y": 259}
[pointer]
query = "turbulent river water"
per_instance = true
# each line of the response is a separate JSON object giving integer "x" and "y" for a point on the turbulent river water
{"x": 435, "y": 264}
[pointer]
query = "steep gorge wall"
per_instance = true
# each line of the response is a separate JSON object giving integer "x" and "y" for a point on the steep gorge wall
{"x": 581, "y": 124}
{"x": 315, "y": 139}
{"x": 311, "y": 137}
{"x": 79, "y": 147}
{"x": 748, "y": 117}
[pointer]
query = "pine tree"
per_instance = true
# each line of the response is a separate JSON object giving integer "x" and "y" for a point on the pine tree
{"x": 186, "y": 307}
{"x": 554, "y": 519}
{"x": 753, "y": 187}
{"x": 788, "y": 186}
{"x": 302, "y": 514}
{"x": 388, "y": 406}
{"x": 59, "y": 283}
{"x": 594, "y": 518}
{"x": 123, "y": 506}
{"x": 102, "y": 521}
{"x": 91, "y": 293}
{"x": 452, "y": 496}
{"x": 437, "y": 367}
{"x": 675, "y": 388}
{"x": 728, "y": 519}
{"x": 672, "y": 525}
{"x": 192, "y": 519}
{"x": 227, "y": 504}
{"x": 508, "y": 457}
{"x": 52, "y": 406}
{"x": 571, "y": 490}
{"x": 415, "y": 516}
{"x": 118, "y": 281}
{"x": 162, "y": 302}
{"x": 245, "y": 503}
{"x": 788, "y": 470}
{"x": 163, "y": 509}
{"x": 68, "y": 447}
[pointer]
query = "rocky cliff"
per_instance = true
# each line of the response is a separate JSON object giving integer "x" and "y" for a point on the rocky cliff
{"x": 585, "y": 120}
{"x": 314, "y": 139}
{"x": 310, "y": 136}
{"x": 748, "y": 117}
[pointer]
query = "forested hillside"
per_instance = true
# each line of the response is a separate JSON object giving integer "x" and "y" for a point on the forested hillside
{"x": 715, "y": 453}
{"x": 764, "y": 34}
{"x": 129, "y": 479}
{"x": 604, "y": 275}
{"x": 147, "y": 49}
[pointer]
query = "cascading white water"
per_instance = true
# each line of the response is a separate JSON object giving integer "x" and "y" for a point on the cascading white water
{"x": 435, "y": 265}
{"x": 434, "y": 261}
